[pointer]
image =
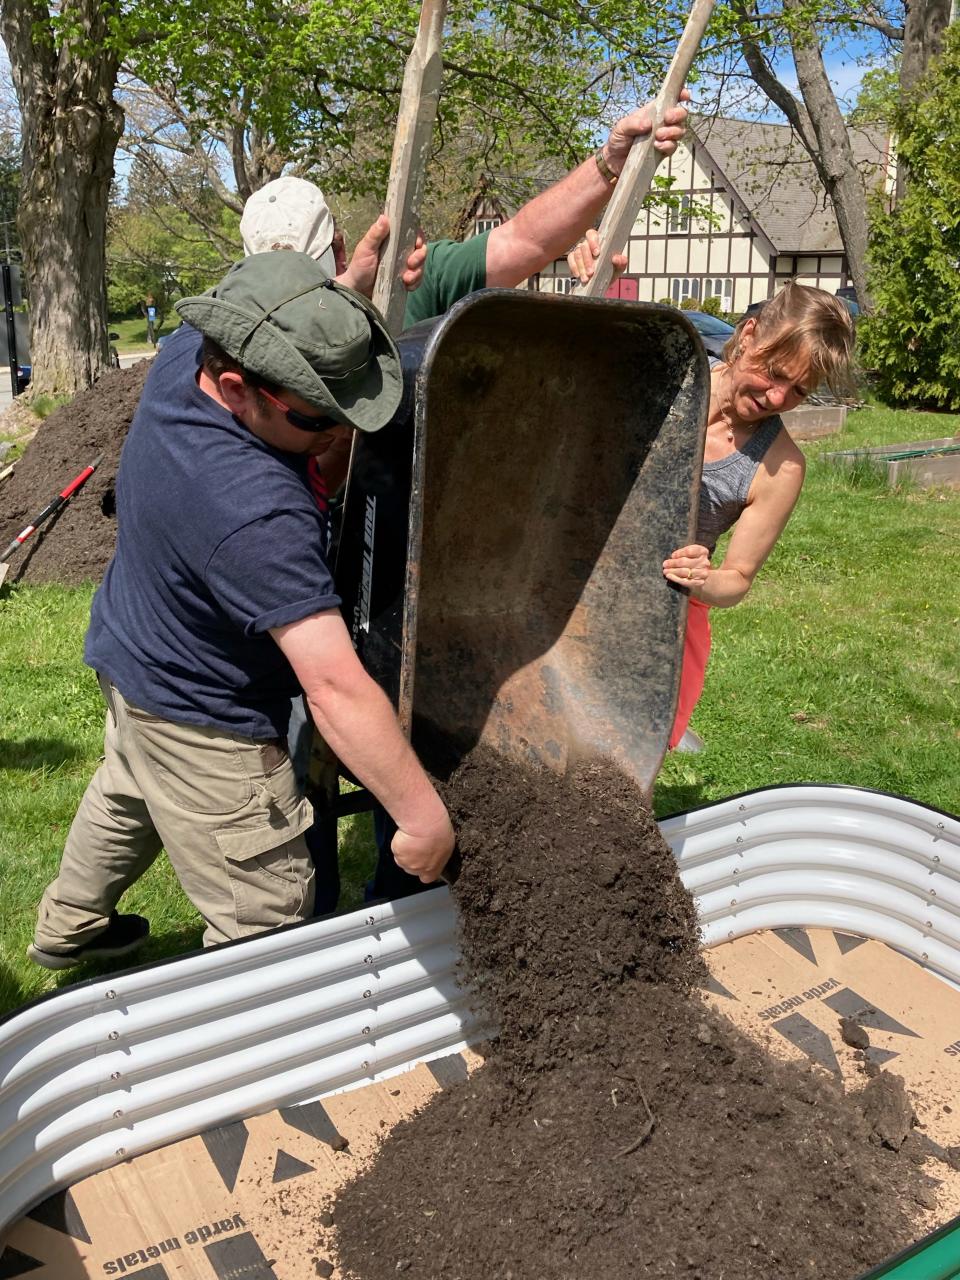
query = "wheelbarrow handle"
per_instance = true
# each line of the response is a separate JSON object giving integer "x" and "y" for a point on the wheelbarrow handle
{"x": 451, "y": 871}
{"x": 642, "y": 160}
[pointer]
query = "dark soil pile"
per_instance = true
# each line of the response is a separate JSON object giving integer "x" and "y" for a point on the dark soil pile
{"x": 76, "y": 544}
{"x": 618, "y": 1127}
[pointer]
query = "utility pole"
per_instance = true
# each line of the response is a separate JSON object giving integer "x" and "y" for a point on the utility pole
{"x": 6, "y": 279}
{"x": 6, "y": 275}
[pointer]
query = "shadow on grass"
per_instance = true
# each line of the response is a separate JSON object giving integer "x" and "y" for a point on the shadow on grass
{"x": 676, "y": 797}
{"x": 37, "y": 753}
{"x": 172, "y": 944}
{"x": 12, "y": 994}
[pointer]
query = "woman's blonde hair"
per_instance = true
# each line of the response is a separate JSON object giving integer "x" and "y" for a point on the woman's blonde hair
{"x": 802, "y": 322}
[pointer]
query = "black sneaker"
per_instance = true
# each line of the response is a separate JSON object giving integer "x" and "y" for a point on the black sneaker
{"x": 121, "y": 936}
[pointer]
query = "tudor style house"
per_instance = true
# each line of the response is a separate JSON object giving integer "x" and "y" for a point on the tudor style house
{"x": 772, "y": 220}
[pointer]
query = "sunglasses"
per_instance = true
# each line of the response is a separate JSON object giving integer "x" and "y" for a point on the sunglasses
{"x": 297, "y": 419}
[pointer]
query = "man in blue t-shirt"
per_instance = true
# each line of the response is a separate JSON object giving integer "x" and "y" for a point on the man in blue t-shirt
{"x": 217, "y": 606}
{"x": 291, "y": 213}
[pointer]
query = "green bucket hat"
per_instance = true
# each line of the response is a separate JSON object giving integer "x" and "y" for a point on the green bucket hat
{"x": 283, "y": 319}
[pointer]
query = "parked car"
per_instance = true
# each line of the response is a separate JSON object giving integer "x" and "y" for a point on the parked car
{"x": 847, "y": 296}
{"x": 713, "y": 331}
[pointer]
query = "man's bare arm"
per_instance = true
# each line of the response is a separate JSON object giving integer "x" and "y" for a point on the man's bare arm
{"x": 548, "y": 225}
{"x": 358, "y": 724}
{"x": 758, "y": 528}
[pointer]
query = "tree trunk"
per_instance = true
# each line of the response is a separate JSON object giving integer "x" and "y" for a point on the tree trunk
{"x": 71, "y": 127}
{"x": 923, "y": 30}
{"x": 926, "y": 21}
{"x": 838, "y": 169}
{"x": 822, "y": 130}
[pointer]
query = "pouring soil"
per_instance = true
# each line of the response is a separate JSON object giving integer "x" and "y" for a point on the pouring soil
{"x": 618, "y": 1126}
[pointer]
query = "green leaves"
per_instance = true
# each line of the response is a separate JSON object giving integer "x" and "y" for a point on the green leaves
{"x": 912, "y": 341}
{"x": 321, "y": 81}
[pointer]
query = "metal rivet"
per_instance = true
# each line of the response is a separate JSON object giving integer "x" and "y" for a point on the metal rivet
{"x": 733, "y": 902}
{"x": 939, "y": 826}
{"x": 121, "y": 1151}
{"x": 928, "y": 924}
{"x": 364, "y": 1066}
{"x": 729, "y": 933}
{"x": 367, "y": 995}
{"x": 741, "y": 807}
{"x": 936, "y": 857}
{"x": 371, "y": 919}
{"x": 739, "y": 839}
{"x": 110, "y": 995}
{"x": 114, "y": 1075}
{"x": 368, "y": 959}
{"x": 924, "y": 956}
{"x": 117, "y": 1115}
{"x": 365, "y": 1031}
{"x": 933, "y": 893}
{"x": 114, "y": 1035}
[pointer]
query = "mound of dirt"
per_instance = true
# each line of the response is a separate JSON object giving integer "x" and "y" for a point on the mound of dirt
{"x": 618, "y": 1126}
{"x": 76, "y": 544}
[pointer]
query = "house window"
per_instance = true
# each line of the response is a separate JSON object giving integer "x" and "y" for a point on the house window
{"x": 555, "y": 284}
{"x": 684, "y": 287}
{"x": 680, "y": 218}
{"x": 487, "y": 224}
{"x": 719, "y": 288}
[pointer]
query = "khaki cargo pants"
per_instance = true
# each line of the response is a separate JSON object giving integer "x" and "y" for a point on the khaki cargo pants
{"x": 226, "y": 809}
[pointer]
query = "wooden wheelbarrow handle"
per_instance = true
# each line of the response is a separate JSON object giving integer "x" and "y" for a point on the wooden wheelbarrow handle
{"x": 637, "y": 176}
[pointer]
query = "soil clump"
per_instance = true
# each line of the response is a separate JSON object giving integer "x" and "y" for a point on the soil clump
{"x": 618, "y": 1126}
{"x": 75, "y": 546}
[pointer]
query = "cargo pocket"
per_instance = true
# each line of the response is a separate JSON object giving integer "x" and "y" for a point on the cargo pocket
{"x": 201, "y": 770}
{"x": 268, "y": 865}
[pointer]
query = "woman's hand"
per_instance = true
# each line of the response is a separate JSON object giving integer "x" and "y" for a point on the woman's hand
{"x": 688, "y": 566}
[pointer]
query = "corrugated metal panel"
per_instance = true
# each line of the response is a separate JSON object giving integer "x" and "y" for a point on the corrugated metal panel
{"x": 109, "y": 1069}
{"x": 829, "y": 857}
{"x": 112, "y": 1068}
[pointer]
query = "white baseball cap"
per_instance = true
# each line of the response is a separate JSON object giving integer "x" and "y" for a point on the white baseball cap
{"x": 289, "y": 213}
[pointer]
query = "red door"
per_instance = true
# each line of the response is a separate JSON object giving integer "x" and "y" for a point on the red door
{"x": 626, "y": 287}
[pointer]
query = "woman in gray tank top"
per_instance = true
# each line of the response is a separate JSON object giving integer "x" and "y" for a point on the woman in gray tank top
{"x": 752, "y": 470}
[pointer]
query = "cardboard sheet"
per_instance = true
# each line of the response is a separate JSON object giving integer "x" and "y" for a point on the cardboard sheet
{"x": 250, "y": 1199}
{"x": 244, "y": 1200}
{"x": 790, "y": 988}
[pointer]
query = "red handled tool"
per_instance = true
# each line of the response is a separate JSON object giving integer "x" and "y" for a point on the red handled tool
{"x": 50, "y": 509}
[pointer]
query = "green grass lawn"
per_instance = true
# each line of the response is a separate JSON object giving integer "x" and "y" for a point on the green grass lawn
{"x": 133, "y": 333}
{"x": 841, "y": 666}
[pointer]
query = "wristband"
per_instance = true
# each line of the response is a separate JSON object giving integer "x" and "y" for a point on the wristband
{"x": 605, "y": 171}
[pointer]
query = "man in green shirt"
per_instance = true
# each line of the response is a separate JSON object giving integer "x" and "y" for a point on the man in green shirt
{"x": 292, "y": 213}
